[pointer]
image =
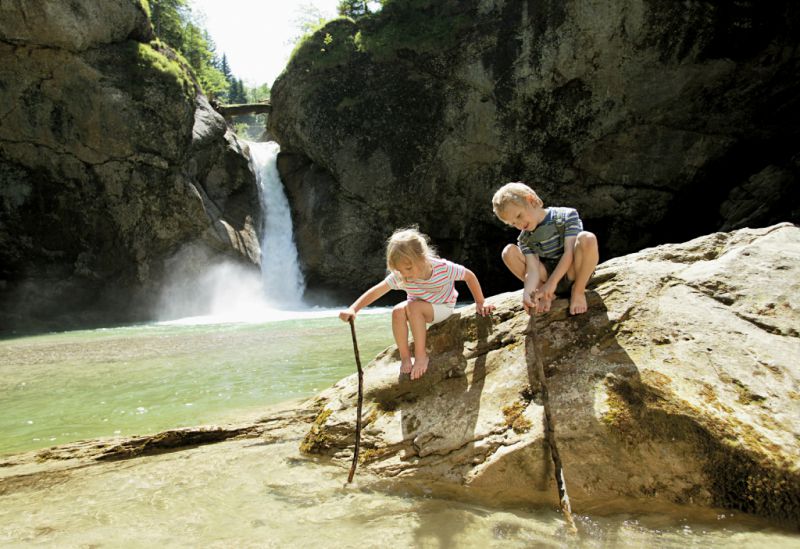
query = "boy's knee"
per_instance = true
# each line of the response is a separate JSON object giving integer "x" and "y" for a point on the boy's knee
{"x": 509, "y": 251}
{"x": 586, "y": 239}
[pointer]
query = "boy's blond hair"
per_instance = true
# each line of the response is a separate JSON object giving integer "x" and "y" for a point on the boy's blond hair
{"x": 517, "y": 193}
{"x": 407, "y": 245}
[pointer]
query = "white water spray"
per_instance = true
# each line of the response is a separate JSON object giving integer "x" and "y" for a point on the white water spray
{"x": 280, "y": 271}
{"x": 229, "y": 292}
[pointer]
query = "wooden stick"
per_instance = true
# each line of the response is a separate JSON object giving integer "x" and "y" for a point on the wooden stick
{"x": 360, "y": 400}
{"x": 563, "y": 497}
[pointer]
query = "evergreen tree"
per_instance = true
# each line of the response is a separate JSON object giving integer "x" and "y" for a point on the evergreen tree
{"x": 173, "y": 23}
{"x": 168, "y": 18}
{"x": 354, "y": 8}
{"x": 225, "y": 68}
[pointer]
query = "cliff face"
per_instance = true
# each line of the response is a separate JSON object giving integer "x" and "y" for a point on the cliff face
{"x": 657, "y": 121}
{"x": 680, "y": 385}
{"x": 110, "y": 162}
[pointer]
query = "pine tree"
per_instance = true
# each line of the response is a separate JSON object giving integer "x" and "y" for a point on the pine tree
{"x": 353, "y": 8}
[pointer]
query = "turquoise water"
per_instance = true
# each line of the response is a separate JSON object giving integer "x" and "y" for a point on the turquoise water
{"x": 63, "y": 387}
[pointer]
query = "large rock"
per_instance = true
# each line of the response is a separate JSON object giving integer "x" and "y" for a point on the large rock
{"x": 680, "y": 385}
{"x": 658, "y": 121}
{"x": 111, "y": 163}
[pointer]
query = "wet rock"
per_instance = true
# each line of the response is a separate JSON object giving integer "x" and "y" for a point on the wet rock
{"x": 680, "y": 385}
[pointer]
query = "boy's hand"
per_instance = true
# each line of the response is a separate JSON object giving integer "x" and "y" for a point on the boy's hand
{"x": 541, "y": 303}
{"x": 347, "y": 314}
{"x": 527, "y": 301}
{"x": 482, "y": 309}
{"x": 549, "y": 290}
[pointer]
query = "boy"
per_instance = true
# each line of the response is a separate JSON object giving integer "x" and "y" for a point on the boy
{"x": 553, "y": 252}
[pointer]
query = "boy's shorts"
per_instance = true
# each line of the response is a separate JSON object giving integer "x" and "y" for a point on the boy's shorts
{"x": 565, "y": 284}
{"x": 441, "y": 311}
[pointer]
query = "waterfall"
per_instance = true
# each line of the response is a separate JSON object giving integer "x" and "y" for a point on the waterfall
{"x": 283, "y": 283}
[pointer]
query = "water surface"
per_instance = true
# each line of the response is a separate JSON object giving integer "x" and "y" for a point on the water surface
{"x": 63, "y": 387}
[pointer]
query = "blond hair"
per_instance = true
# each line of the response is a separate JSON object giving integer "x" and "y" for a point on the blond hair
{"x": 407, "y": 245}
{"x": 517, "y": 193}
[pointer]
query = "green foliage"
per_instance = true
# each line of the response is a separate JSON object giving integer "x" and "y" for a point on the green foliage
{"x": 308, "y": 19}
{"x": 330, "y": 46}
{"x": 174, "y": 23}
{"x": 417, "y": 25}
{"x": 237, "y": 93}
{"x": 259, "y": 93}
{"x": 355, "y": 9}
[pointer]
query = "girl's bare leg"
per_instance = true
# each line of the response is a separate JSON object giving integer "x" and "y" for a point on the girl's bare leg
{"x": 419, "y": 312}
{"x": 585, "y": 260}
{"x": 400, "y": 331}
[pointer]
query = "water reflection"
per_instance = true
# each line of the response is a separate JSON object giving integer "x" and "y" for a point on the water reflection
{"x": 253, "y": 494}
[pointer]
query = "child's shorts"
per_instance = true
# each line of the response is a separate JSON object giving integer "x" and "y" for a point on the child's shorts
{"x": 565, "y": 284}
{"x": 441, "y": 311}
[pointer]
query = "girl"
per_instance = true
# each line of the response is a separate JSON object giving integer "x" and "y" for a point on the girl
{"x": 429, "y": 283}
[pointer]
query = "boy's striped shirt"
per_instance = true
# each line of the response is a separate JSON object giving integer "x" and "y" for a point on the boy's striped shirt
{"x": 546, "y": 240}
{"x": 439, "y": 288}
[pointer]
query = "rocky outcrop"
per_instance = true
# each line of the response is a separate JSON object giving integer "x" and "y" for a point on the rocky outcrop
{"x": 658, "y": 121}
{"x": 111, "y": 162}
{"x": 680, "y": 385}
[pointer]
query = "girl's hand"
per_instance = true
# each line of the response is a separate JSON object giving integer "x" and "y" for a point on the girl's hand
{"x": 347, "y": 314}
{"x": 482, "y": 309}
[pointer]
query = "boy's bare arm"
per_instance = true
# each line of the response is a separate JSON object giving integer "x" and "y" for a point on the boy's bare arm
{"x": 477, "y": 294}
{"x": 532, "y": 281}
{"x": 561, "y": 269}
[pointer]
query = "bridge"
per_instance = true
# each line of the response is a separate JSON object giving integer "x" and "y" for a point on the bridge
{"x": 264, "y": 107}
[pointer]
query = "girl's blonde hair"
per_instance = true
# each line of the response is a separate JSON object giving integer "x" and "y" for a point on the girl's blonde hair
{"x": 407, "y": 245}
{"x": 516, "y": 192}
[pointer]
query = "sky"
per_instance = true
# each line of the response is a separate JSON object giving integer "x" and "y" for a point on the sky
{"x": 256, "y": 34}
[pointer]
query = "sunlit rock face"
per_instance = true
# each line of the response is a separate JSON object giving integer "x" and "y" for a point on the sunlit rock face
{"x": 657, "y": 121}
{"x": 679, "y": 386}
{"x": 110, "y": 163}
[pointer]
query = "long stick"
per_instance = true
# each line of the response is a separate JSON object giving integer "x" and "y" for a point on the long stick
{"x": 563, "y": 497}
{"x": 360, "y": 401}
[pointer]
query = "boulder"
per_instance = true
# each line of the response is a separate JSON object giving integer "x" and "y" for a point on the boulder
{"x": 111, "y": 163}
{"x": 681, "y": 385}
{"x": 658, "y": 121}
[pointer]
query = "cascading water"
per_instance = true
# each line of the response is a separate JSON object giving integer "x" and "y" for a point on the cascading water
{"x": 229, "y": 292}
{"x": 280, "y": 271}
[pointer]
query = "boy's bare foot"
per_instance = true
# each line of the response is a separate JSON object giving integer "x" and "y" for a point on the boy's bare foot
{"x": 405, "y": 365}
{"x": 419, "y": 368}
{"x": 577, "y": 303}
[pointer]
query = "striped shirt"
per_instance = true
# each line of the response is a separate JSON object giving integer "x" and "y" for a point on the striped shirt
{"x": 547, "y": 239}
{"x": 439, "y": 288}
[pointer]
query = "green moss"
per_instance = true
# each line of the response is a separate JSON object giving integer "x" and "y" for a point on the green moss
{"x": 145, "y": 4}
{"x": 371, "y": 454}
{"x": 746, "y": 396}
{"x": 317, "y": 440}
{"x": 371, "y": 418}
{"x": 514, "y": 418}
{"x": 743, "y": 469}
{"x": 171, "y": 72}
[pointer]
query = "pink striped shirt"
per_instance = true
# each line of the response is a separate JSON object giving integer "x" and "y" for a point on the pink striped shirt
{"x": 439, "y": 288}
